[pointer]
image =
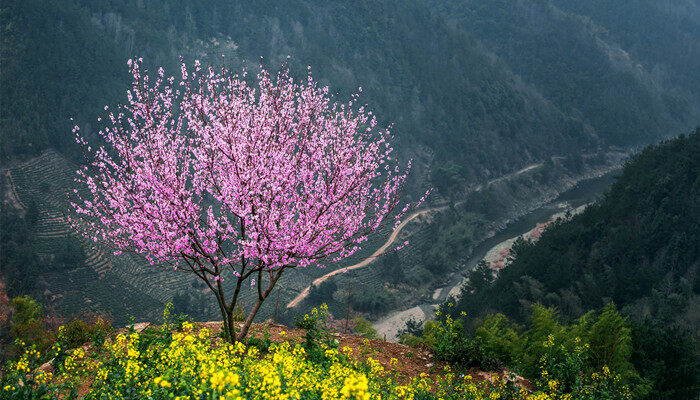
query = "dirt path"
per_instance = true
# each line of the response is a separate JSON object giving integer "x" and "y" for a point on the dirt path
{"x": 11, "y": 197}
{"x": 301, "y": 296}
{"x": 507, "y": 176}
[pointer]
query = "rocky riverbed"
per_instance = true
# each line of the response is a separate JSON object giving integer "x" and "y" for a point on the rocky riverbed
{"x": 495, "y": 246}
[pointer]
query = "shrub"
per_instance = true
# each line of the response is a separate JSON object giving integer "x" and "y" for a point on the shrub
{"x": 449, "y": 342}
{"x": 544, "y": 326}
{"x": 565, "y": 373}
{"x": 318, "y": 338}
{"x": 85, "y": 329}
{"x": 499, "y": 338}
{"x": 362, "y": 327}
{"x": 413, "y": 327}
{"x": 27, "y": 325}
{"x": 412, "y": 340}
{"x": 89, "y": 328}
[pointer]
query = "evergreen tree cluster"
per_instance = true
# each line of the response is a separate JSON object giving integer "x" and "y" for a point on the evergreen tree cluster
{"x": 639, "y": 248}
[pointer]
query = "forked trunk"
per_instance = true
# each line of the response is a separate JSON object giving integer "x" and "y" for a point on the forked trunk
{"x": 227, "y": 312}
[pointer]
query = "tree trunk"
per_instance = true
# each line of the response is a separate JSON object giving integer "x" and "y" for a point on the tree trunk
{"x": 230, "y": 328}
{"x": 227, "y": 329}
{"x": 249, "y": 321}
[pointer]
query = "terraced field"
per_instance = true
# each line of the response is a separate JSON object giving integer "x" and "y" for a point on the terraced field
{"x": 119, "y": 285}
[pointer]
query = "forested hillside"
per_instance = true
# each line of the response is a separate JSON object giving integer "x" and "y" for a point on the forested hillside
{"x": 638, "y": 248}
{"x": 476, "y": 91}
{"x": 448, "y": 98}
{"x": 597, "y": 61}
{"x": 488, "y": 93}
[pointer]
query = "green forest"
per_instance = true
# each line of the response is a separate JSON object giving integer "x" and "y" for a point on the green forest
{"x": 470, "y": 87}
{"x": 637, "y": 251}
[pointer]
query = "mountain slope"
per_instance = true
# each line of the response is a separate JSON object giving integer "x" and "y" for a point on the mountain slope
{"x": 468, "y": 105}
{"x": 638, "y": 247}
{"x": 598, "y": 62}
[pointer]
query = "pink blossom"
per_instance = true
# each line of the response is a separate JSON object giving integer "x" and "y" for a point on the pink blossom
{"x": 215, "y": 175}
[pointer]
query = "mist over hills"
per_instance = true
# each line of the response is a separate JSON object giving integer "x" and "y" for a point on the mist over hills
{"x": 476, "y": 90}
{"x": 624, "y": 68}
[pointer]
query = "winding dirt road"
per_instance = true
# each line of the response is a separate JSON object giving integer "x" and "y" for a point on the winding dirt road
{"x": 301, "y": 296}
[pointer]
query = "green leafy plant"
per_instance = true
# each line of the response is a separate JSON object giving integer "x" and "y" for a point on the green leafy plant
{"x": 318, "y": 337}
{"x": 448, "y": 340}
{"x": 362, "y": 327}
{"x": 28, "y": 325}
{"x": 90, "y": 328}
{"x": 262, "y": 344}
{"x": 565, "y": 372}
{"x": 20, "y": 381}
{"x": 499, "y": 338}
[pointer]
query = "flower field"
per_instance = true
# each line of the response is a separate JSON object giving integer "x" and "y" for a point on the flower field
{"x": 189, "y": 361}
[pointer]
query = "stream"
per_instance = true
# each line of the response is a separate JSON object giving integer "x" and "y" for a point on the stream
{"x": 583, "y": 193}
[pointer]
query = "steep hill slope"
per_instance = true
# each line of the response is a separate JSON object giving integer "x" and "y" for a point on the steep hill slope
{"x": 638, "y": 247}
{"x": 598, "y": 62}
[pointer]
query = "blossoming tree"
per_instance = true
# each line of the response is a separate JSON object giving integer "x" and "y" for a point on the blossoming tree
{"x": 231, "y": 181}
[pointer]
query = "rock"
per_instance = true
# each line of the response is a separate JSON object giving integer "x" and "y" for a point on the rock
{"x": 139, "y": 327}
{"x": 46, "y": 367}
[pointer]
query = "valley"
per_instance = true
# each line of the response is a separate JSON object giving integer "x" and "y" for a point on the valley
{"x": 491, "y": 249}
{"x": 144, "y": 291}
{"x": 166, "y": 161}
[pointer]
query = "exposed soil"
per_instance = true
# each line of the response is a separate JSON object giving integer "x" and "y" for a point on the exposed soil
{"x": 10, "y": 197}
{"x": 411, "y": 361}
